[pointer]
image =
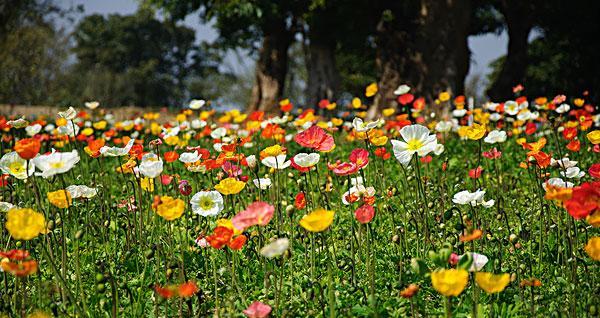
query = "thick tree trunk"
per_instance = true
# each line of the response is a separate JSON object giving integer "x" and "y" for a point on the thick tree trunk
{"x": 425, "y": 47}
{"x": 519, "y": 24}
{"x": 323, "y": 77}
{"x": 271, "y": 69}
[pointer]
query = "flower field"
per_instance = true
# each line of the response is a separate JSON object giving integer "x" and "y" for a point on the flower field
{"x": 485, "y": 212}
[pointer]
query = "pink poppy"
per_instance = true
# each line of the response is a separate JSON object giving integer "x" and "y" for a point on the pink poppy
{"x": 492, "y": 154}
{"x": 315, "y": 138}
{"x": 343, "y": 168}
{"x": 257, "y": 213}
{"x": 257, "y": 310}
{"x": 166, "y": 179}
{"x": 231, "y": 169}
{"x": 475, "y": 173}
{"x": 360, "y": 157}
{"x": 365, "y": 213}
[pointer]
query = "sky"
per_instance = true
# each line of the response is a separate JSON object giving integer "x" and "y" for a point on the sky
{"x": 484, "y": 48}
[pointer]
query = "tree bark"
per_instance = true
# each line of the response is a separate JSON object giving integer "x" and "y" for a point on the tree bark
{"x": 323, "y": 77}
{"x": 425, "y": 47}
{"x": 517, "y": 16}
{"x": 271, "y": 68}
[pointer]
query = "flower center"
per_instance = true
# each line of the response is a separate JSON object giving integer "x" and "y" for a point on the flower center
{"x": 57, "y": 165}
{"x": 414, "y": 144}
{"x": 206, "y": 203}
{"x": 16, "y": 167}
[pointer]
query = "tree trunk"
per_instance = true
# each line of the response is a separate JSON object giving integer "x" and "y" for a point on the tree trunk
{"x": 517, "y": 16}
{"x": 271, "y": 68}
{"x": 323, "y": 77}
{"x": 424, "y": 47}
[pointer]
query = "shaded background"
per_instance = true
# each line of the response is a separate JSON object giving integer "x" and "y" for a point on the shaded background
{"x": 252, "y": 53}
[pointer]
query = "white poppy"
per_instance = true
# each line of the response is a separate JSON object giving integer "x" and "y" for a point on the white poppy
{"x": 56, "y": 162}
{"x": 197, "y": 103}
{"x": 439, "y": 149}
{"x": 68, "y": 114}
{"x": 81, "y": 191}
{"x": 14, "y": 165}
{"x": 416, "y": 140}
{"x": 207, "y": 203}
{"x": 262, "y": 183}
{"x": 278, "y": 162}
{"x": 198, "y": 124}
{"x": 443, "y": 126}
{"x": 92, "y": 105}
{"x": 557, "y": 182}
{"x": 116, "y": 151}
{"x": 459, "y": 112}
{"x": 306, "y": 160}
{"x": 361, "y": 126}
{"x": 495, "y": 136}
{"x": 572, "y": 173}
{"x": 564, "y": 163}
{"x": 472, "y": 198}
{"x": 70, "y": 129}
{"x": 275, "y": 248}
{"x": 151, "y": 166}
{"x": 479, "y": 261}
{"x": 18, "y": 123}
{"x": 511, "y": 107}
{"x": 33, "y": 129}
{"x": 218, "y": 133}
{"x": 402, "y": 89}
{"x": 563, "y": 108}
{"x": 189, "y": 157}
{"x": 251, "y": 160}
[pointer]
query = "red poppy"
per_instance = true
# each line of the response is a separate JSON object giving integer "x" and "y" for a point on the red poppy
{"x": 475, "y": 173}
{"x": 426, "y": 159}
{"x": 315, "y": 138}
{"x": 569, "y": 133}
{"x": 137, "y": 151}
{"x": 237, "y": 243}
{"x": 187, "y": 289}
{"x": 15, "y": 255}
{"x": 542, "y": 159}
{"x": 595, "y": 171}
{"x": 300, "y": 201}
{"x": 323, "y": 103}
{"x": 171, "y": 156}
{"x": 574, "y": 145}
{"x": 405, "y": 99}
{"x": 360, "y": 157}
{"x": 20, "y": 269}
{"x": 365, "y": 213}
{"x": 286, "y": 107}
{"x": 28, "y": 148}
{"x": 221, "y": 236}
{"x": 530, "y": 128}
{"x": 585, "y": 200}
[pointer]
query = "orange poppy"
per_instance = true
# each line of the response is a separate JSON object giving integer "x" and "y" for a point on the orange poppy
{"x": 28, "y": 148}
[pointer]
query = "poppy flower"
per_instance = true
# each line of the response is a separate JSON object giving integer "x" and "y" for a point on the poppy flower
{"x": 61, "y": 198}
{"x": 169, "y": 208}
{"x": 594, "y": 170}
{"x": 475, "y": 173}
{"x": 25, "y": 223}
{"x": 171, "y": 156}
{"x": 257, "y": 310}
{"x": 474, "y": 235}
{"x": 530, "y": 128}
{"x": 416, "y": 140}
{"x": 315, "y": 138}
{"x": 286, "y": 106}
{"x": 405, "y": 99}
{"x": 475, "y": 131}
{"x": 237, "y": 243}
{"x": 594, "y": 137}
{"x": 300, "y": 201}
{"x": 364, "y": 214}
{"x": 20, "y": 269}
{"x": 220, "y": 237}
{"x": 574, "y": 145}
{"x": 533, "y": 282}
{"x": 592, "y": 248}
{"x": 343, "y": 168}
{"x": 317, "y": 221}
{"x": 275, "y": 248}
{"x": 450, "y": 282}
{"x": 409, "y": 291}
{"x": 360, "y": 157}
{"x": 187, "y": 289}
{"x": 492, "y": 154}
{"x": 257, "y": 213}
{"x": 569, "y": 133}
{"x": 492, "y": 283}
{"x": 15, "y": 255}
{"x": 93, "y": 147}
{"x": 230, "y": 186}
{"x": 28, "y": 148}
{"x": 585, "y": 200}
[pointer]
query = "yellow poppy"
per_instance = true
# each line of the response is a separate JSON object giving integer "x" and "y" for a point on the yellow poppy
{"x": 147, "y": 184}
{"x": 475, "y": 131}
{"x": 388, "y": 111}
{"x": 356, "y": 103}
{"x": 101, "y": 125}
{"x": 25, "y": 223}
{"x": 272, "y": 151}
{"x": 170, "y": 208}
{"x": 317, "y": 221}
{"x": 492, "y": 283}
{"x": 593, "y": 248}
{"x": 594, "y": 137}
{"x": 371, "y": 90}
{"x": 594, "y": 219}
{"x": 230, "y": 186}
{"x": 450, "y": 282}
{"x": 60, "y": 198}
{"x": 578, "y": 102}
{"x": 337, "y": 121}
{"x": 444, "y": 97}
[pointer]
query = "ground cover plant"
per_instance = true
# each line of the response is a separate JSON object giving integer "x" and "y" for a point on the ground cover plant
{"x": 484, "y": 212}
